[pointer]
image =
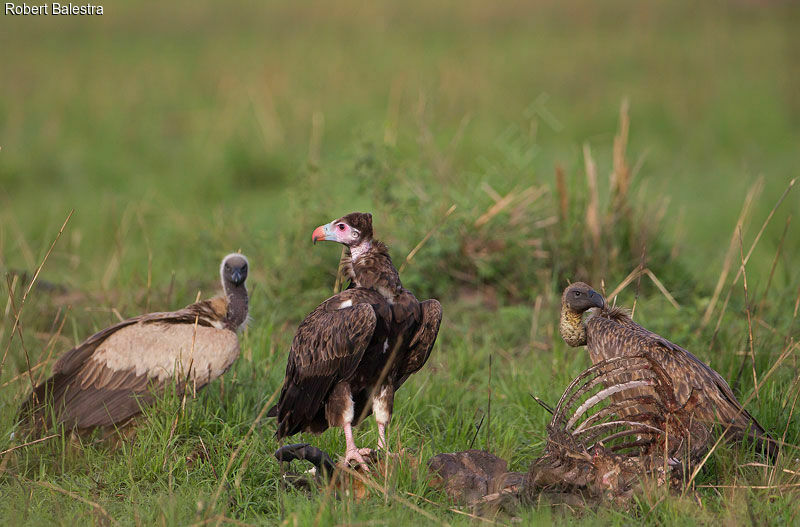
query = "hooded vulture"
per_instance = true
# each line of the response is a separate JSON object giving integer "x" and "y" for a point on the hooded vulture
{"x": 610, "y": 332}
{"x": 353, "y": 352}
{"x": 112, "y": 375}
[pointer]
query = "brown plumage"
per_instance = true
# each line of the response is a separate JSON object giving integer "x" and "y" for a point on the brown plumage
{"x": 602, "y": 445}
{"x": 353, "y": 352}
{"x": 108, "y": 378}
{"x": 610, "y": 332}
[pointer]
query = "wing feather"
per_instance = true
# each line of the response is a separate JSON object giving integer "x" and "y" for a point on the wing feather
{"x": 421, "y": 344}
{"x": 106, "y": 378}
{"x": 327, "y": 348}
{"x": 619, "y": 335}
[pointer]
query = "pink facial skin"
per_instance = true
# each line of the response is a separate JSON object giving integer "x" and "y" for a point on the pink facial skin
{"x": 333, "y": 232}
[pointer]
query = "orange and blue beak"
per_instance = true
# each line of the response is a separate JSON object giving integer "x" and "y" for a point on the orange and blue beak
{"x": 324, "y": 233}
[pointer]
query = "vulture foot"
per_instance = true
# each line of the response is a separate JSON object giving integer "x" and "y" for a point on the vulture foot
{"x": 357, "y": 455}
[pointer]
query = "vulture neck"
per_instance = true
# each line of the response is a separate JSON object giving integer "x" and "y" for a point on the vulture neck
{"x": 371, "y": 266}
{"x": 236, "y": 316}
{"x": 571, "y": 327}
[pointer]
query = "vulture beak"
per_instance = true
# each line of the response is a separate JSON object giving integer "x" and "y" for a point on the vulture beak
{"x": 324, "y": 233}
{"x": 597, "y": 299}
{"x": 238, "y": 276}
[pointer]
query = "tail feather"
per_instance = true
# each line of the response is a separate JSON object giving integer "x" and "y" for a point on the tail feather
{"x": 38, "y": 413}
{"x": 763, "y": 441}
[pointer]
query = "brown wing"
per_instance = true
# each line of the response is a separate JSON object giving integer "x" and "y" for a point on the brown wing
{"x": 421, "y": 344}
{"x": 326, "y": 349}
{"x": 107, "y": 378}
{"x": 617, "y": 335}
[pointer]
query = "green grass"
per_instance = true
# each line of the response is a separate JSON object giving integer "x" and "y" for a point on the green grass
{"x": 179, "y": 133}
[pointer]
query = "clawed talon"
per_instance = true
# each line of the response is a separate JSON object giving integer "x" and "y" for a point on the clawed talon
{"x": 357, "y": 456}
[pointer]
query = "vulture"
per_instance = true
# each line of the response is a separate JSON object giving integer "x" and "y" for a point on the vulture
{"x": 351, "y": 354}
{"x": 107, "y": 379}
{"x": 610, "y": 332}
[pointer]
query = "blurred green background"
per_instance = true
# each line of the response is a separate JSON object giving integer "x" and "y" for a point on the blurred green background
{"x": 181, "y": 131}
{"x": 204, "y": 111}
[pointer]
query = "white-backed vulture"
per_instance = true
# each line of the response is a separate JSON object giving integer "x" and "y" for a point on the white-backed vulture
{"x": 112, "y": 375}
{"x": 610, "y": 332}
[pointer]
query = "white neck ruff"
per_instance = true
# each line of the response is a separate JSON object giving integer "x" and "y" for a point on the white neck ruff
{"x": 357, "y": 251}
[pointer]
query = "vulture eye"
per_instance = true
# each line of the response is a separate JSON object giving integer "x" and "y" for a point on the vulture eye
{"x": 341, "y": 226}
{"x": 577, "y": 293}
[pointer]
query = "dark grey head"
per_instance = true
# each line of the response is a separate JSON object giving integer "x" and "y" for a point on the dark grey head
{"x": 233, "y": 269}
{"x": 579, "y": 297}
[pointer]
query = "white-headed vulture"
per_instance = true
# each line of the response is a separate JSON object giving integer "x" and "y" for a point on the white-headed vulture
{"x": 353, "y": 352}
{"x": 610, "y": 332}
{"x": 112, "y": 375}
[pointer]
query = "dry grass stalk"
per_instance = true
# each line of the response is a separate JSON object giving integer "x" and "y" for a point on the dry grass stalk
{"x": 612, "y": 296}
{"x": 96, "y": 506}
{"x": 763, "y": 228}
{"x": 775, "y": 259}
{"x": 340, "y": 278}
{"x": 496, "y": 209}
{"x": 519, "y": 214}
{"x": 785, "y": 432}
{"x": 19, "y": 332}
{"x": 633, "y": 275}
{"x": 754, "y": 487}
{"x": 424, "y": 240}
{"x": 6, "y": 451}
{"x": 663, "y": 289}
{"x": 786, "y": 352}
{"x": 707, "y": 314}
{"x": 752, "y": 193}
{"x": 593, "y": 205}
{"x": 749, "y": 316}
{"x": 14, "y": 281}
{"x": 744, "y": 262}
{"x": 49, "y": 347}
{"x": 18, "y": 313}
{"x": 491, "y": 192}
{"x": 51, "y": 344}
{"x": 620, "y": 176}
{"x": 563, "y": 194}
{"x": 452, "y": 509}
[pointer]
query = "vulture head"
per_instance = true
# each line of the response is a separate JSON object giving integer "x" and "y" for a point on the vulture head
{"x": 579, "y": 297}
{"x": 351, "y": 230}
{"x": 233, "y": 269}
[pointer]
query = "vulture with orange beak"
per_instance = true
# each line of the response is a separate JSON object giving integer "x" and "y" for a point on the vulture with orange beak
{"x": 108, "y": 378}
{"x": 610, "y": 332}
{"x": 351, "y": 354}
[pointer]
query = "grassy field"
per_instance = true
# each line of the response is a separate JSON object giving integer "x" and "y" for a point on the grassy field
{"x": 178, "y": 133}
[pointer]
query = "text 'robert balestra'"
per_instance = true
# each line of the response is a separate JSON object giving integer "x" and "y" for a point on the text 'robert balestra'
{"x": 53, "y": 9}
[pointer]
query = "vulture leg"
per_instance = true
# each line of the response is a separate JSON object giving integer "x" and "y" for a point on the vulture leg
{"x": 353, "y": 453}
{"x": 382, "y": 404}
{"x": 340, "y": 411}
